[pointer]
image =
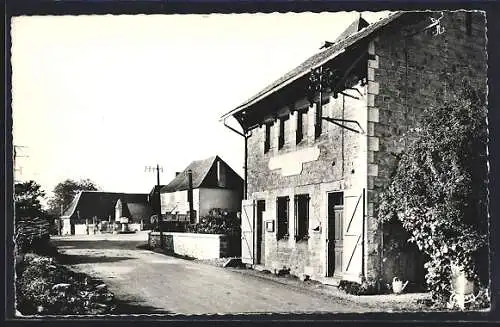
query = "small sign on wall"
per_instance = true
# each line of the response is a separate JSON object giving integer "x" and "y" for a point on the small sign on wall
{"x": 270, "y": 226}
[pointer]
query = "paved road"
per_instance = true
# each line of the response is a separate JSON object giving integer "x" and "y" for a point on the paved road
{"x": 152, "y": 282}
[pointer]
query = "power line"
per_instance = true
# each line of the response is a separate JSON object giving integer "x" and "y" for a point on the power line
{"x": 157, "y": 169}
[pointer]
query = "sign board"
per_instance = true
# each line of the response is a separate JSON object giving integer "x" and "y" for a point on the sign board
{"x": 270, "y": 226}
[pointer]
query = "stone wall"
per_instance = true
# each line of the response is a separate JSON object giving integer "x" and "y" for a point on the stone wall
{"x": 414, "y": 73}
{"x": 335, "y": 161}
{"x": 405, "y": 75}
{"x": 199, "y": 246}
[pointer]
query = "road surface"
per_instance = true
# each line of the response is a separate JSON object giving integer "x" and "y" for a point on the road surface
{"x": 148, "y": 282}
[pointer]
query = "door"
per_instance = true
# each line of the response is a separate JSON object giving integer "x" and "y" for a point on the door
{"x": 247, "y": 225}
{"x": 260, "y": 236}
{"x": 335, "y": 234}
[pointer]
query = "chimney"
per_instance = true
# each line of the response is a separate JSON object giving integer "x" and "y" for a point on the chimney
{"x": 177, "y": 173}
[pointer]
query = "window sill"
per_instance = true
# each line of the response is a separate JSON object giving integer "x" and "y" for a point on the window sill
{"x": 283, "y": 238}
{"x": 302, "y": 239}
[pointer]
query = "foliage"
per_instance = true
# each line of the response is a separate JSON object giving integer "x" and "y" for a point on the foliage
{"x": 367, "y": 287}
{"x": 27, "y": 196}
{"x": 218, "y": 221}
{"x": 438, "y": 189}
{"x": 32, "y": 235}
{"x": 66, "y": 191}
{"x": 32, "y": 224}
{"x": 46, "y": 287}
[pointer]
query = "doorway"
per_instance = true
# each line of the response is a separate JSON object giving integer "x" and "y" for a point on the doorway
{"x": 335, "y": 235}
{"x": 260, "y": 237}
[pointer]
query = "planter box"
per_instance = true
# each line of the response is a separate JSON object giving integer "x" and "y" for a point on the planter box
{"x": 199, "y": 246}
{"x": 461, "y": 286}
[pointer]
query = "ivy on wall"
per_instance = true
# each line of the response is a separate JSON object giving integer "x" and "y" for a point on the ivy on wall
{"x": 438, "y": 191}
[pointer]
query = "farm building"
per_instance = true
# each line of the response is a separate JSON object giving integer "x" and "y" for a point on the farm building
{"x": 91, "y": 207}
{"x": 210, "y": 183}
{"x": 319, "y": 157}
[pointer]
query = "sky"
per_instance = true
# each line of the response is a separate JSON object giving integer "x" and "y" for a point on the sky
{"x": 102, "y": 97}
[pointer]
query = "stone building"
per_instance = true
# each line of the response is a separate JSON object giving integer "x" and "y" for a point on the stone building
{"x": 315, "y": 172}
{"x": 88, "y": 208}
{"x": 214, "y": 184}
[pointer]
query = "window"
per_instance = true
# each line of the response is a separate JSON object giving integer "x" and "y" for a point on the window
{"x": 301, "y": 125}
{"x": 318, "y": 122}
{"x": 468, "y": 23}
{"x": 282, "y": 204}
{"x": 281, "y": 139}
{"x": 301, "y": 204}
{"x": 267, "y": 141}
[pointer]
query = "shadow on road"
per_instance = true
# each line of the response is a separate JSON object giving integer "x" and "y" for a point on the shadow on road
{"x": 99, "y": 244}
{"x": 137, "y": 307}
{"x": 78, "y": 259}
{"x": 164, "y": 252}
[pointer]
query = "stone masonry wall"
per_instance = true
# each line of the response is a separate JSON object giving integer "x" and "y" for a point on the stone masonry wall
{"x": 336, "y": 168}
{"x": 414, "y": 73}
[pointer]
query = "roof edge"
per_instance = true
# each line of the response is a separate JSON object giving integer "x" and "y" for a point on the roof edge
{"x": 391, "y": 17}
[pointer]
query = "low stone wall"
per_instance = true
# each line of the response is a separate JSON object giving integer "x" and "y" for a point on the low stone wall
{"x": 199, "y": 246}
{"x": 134, "y": 227}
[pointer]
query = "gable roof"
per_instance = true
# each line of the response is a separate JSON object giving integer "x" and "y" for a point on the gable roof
{"x": 316, "y": 60}
{"x": 199, "y": 169}
{"x": 203, "y": 174}
{"x": 156, "y": 189}
{"x": 357, "y": 25}
{"x": 88, "y": 204}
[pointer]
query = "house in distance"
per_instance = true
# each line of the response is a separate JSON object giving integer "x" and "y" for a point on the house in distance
{"x": 209, "y": 183}
{"x": 89, "y": 208}
{"x": 322, "y": 142}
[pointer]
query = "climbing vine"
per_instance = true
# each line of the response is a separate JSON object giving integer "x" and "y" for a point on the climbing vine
{"x": 438, "y": 191}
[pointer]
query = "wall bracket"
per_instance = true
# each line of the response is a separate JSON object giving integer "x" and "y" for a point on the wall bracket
{"x": 337, "y": 120}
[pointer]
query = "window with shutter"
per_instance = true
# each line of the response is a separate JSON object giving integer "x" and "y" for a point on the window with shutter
{"x": 281, "y": 139}
{"x": 267, "y": 140}
{"x": 282, "y": 204}
{"x": 318, "y": 121}
{"x": 301, "y": 125}
{"x": 301, "y": 208}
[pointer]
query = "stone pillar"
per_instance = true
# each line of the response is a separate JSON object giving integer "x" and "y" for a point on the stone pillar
{"x": 373, "y": 233}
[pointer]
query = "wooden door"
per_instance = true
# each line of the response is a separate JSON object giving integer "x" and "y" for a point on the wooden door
{"x": 335, "y": 234}
{"x": 260, "y": 232}
{"x": 339, "y": 237}
{"x": 247, "y": 233}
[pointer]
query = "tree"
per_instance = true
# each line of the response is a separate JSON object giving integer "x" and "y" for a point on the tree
{"x": 27, "y": 197}
{"x": 66, "y": 191}
{"x": 439, "y": 189}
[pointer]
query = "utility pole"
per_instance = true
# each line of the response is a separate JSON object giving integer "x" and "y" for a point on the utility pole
{"x": 16, "y": 155}
{"x": 190, "y": 196}
{"x": 157, "y": 201}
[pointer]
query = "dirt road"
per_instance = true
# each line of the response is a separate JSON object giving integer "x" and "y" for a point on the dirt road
{"x": 151, "y": 282}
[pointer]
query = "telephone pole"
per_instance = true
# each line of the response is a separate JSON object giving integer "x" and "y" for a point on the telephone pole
{"x": 157, "y": 200}
{"x": 17, "y": 155}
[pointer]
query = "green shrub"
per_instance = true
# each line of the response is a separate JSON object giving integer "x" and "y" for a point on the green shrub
{"x": 218, "y": 221}
{"x": 367, "y": 287}
{"x": 32, "y": 234}
{"x": 45, "y": 287}
{"x": 438, "y": 191}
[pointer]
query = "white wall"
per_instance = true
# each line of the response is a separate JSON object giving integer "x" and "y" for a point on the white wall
{"x": 218, "y": 198}
{"x": 178, "y": 202}
{"x": 66, "y": 226}
{"x": 81, "y": 229}
{"x": 200, "y": 246}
